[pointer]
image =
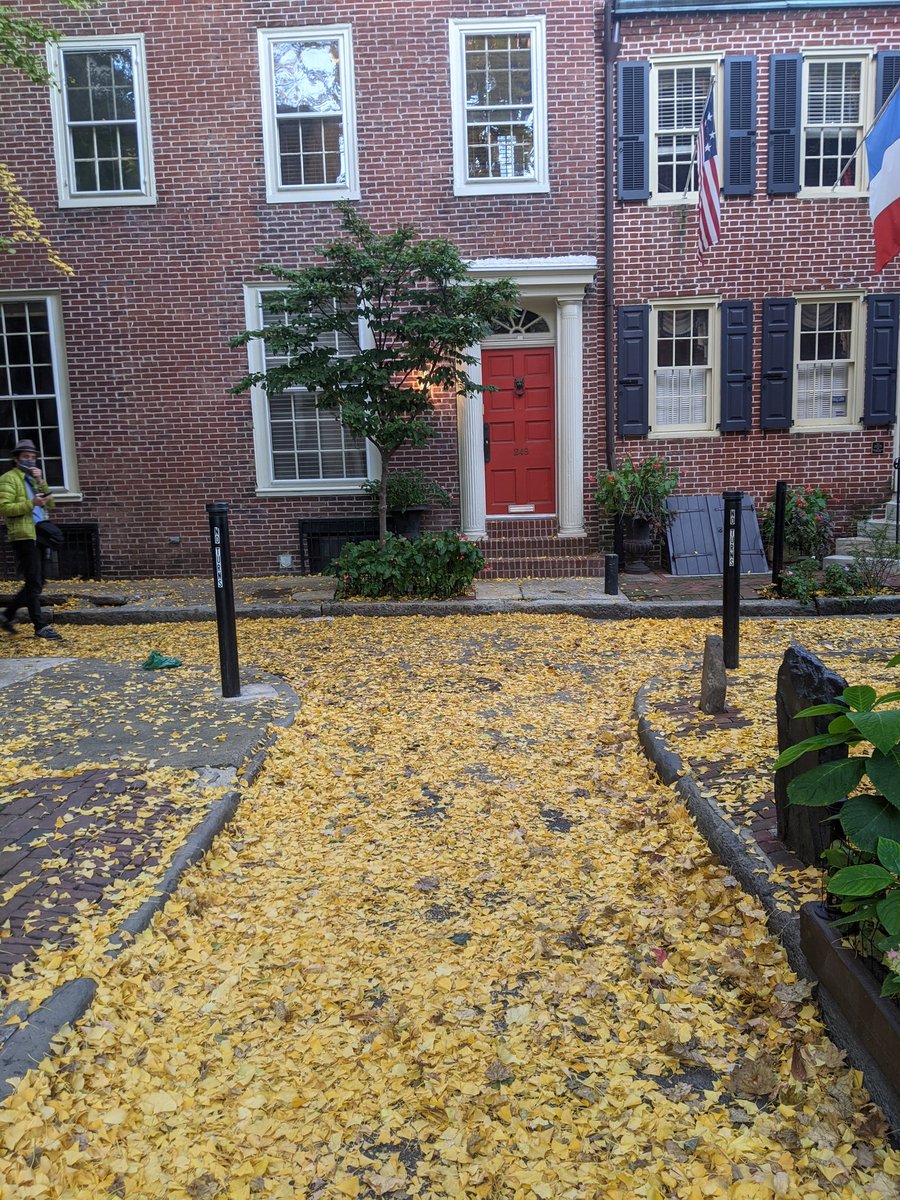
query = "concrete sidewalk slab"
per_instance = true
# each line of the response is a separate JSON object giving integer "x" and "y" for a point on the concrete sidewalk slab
{"x": 70, "y": 712}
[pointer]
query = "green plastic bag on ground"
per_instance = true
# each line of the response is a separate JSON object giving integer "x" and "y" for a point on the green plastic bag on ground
{"x": 157, "y": 661}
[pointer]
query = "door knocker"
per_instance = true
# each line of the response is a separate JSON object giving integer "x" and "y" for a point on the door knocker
{"x": 519, "y": 387}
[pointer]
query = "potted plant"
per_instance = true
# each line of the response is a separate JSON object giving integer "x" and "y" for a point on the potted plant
{"x": 636, "y": 493}
{"x": 410, "y": 494}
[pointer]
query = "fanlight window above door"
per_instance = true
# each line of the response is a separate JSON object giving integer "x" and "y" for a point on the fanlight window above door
{"x": 523, "y": 321}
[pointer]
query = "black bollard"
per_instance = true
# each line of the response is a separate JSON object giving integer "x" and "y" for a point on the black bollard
{"x": 778, "y": 533}
{"x": 611, "y": 574}
{"x": 731, "y": 578}
{"x": 224, "y": 588}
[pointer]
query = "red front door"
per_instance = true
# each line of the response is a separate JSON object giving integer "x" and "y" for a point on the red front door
{"x": 519, "y": 448}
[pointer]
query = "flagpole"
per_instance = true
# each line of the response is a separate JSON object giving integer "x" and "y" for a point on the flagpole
{"x": 862, "y": 141}
{"x": 712, "y": 84}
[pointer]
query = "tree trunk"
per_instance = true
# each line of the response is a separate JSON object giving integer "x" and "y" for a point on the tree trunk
{"x": 382, "y": 497}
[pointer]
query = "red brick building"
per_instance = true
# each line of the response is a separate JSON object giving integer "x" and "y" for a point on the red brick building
{"x": 775, "y": 355}
{"x": 188, "y": 143}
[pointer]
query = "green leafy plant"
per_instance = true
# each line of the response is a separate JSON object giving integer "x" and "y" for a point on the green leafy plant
{"x": 797, "y": 581}
{"x": 842, "y": 579}
{"x": 436, "y": 565}
{"x": 864, "y": 865}
{"x": 638, "y": 490}
{"x": 807, "y": 522}
{"x": 409, "y": 489}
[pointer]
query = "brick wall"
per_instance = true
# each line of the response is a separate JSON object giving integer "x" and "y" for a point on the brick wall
{"x": 158, "y": 291}
{"x": 771, "y": 246}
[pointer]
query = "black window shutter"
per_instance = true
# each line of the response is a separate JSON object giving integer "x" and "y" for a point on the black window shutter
{"x": 785, "y": 76}
{"x": 888, "y": 74}
{"x": 633, "y": 379}
{"x": 740, "y": 127}
{"x": 737, "y": 365}
{"x": 634, "y": 122}
{"x": 776, "y": 393}
{"x": 882, "y": 319}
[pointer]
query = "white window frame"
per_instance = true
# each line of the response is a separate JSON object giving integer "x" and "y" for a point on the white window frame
{"x": 708, "y": 428}
{"x": 266, "y": 483}
{"x": 70, "y": 489}
{"x": 65, "y": 166}
{"x": 866, "y": 59}
{"x": 714, "y": 63}
{"x": 276, "y": 192}
{"x": 463, "y": 184}
{"x": 856, "y": 367}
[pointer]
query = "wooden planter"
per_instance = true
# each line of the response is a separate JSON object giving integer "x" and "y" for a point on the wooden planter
{"x": 873, "y": 1021}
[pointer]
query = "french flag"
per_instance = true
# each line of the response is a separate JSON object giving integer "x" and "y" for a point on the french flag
{"x": 883, "y": 150}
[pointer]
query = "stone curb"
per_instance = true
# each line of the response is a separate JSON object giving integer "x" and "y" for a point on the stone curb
{"x": 30, "y": 1043}
{"x": 743, "y": 857}
{"x": 615, "y": 609}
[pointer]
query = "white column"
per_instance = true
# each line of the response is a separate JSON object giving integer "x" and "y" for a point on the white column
{"x": 570, "y": 419}
{"x": 470, "y": 424}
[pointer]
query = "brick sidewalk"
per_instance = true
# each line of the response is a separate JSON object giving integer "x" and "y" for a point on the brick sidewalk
{"x": 66, "y": 840}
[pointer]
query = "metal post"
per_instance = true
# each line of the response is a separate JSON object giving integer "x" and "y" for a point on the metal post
{"x": 897, "y": 501}
{"x": 778, "y": 533}
{"x": 224, "y": 588}
{"x": 731, "y": 577}
{"x": 611, "y": 574}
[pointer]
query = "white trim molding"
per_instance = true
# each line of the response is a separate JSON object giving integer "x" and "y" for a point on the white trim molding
{"x": 562, "y": 280}
{"x": 346, "y": 187}
{"x": 513, "y": 180}
{"x": 65, "y": 127}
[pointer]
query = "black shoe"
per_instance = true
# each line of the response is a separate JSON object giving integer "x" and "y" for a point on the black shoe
{"x": 47, "y": 631}
{"x": 8, "y": 625}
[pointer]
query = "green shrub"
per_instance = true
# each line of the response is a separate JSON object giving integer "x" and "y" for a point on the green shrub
{"x": 807, "y": 524}
{"x": 864, "y": 865}
{"x": 435, "y": 565}
{"x": 797, "y": 582}
{"x": 842, "y": 579}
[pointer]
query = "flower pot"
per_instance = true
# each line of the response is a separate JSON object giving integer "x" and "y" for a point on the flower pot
{"x": 406, "y": 522}
{"x": 637, "y": 542}
{"x": 869, "y": 1023}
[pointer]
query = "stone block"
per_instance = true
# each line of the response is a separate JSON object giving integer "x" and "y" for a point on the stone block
{"x": 804, "y": 680}
{"x": 713, "y": 682}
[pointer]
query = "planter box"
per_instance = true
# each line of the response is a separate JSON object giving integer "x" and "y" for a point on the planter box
{"x": 871, "y": 1021}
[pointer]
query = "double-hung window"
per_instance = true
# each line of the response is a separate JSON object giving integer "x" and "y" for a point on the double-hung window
{"x": 309, "y": 121}
{"x": 660, "y": 107}
{"x": 33, "y": 399}
{"x": 299, "y": 447}
{"x": 826, "y": 341}
{"x": 498, "y": 80}
{"x": 682, "y": 357}
{"x": 814, "y": 348}
{"x": 678, "y": 97}
{"x": 819, "y": 106}
{"x": 101, "y": 122}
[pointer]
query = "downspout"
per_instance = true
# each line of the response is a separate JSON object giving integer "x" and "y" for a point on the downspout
{"x": 610, "y": 54}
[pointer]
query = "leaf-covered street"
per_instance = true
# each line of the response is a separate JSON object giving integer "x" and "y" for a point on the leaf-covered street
{"x": 459, "y": 942}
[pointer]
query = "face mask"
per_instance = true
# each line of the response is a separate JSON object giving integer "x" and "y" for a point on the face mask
{"x": 28, "y": 466}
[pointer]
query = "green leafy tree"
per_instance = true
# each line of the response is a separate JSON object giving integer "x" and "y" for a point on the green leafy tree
{"x": 22, "y": 39}
{"x": 421, "y": 313}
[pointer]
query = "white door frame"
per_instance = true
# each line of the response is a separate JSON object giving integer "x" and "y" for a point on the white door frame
{"x": 563, "y": 280}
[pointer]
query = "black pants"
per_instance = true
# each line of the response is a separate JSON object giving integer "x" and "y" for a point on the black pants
{"x": 29, "y": 558}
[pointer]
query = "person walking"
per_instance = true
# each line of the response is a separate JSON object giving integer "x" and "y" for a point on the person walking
{"x": 24, "y": 500}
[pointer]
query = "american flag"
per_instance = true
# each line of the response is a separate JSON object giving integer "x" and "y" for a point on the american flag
{"x": 708, "y": 209}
